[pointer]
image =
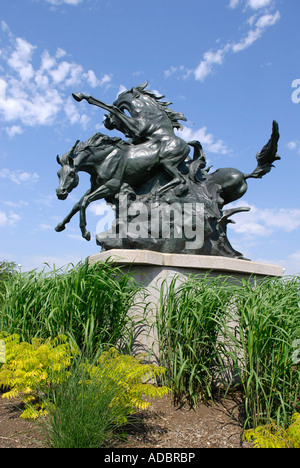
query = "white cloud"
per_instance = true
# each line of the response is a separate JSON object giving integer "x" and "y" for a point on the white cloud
{"x": 105, "y": 213}
{"x": 14, "y": 130}
{"x": 19, "y": 204}
{"x": 215, "y": 58}
{"x": 60, "y": 53}
{"x": 210, "y": 59}
{"x": 3, "y": 219}
{"x": 264, "y": 222}
{"x": 33, "y": 94}
{"x": 122, "y": 88}
{"x": 42, "y": 261}
{"x": 67, "y": 2}
{"x": 234, "y": 3}
{"x": 20, "y": 59}
{"x": 207, "y": 140}
{"x": 294, "y": 146}
{"x": 172, "y": 70}
{"x": 256, "y": 4}
{"x": 292, "y": 263}
{"x": 105, "y": 80}
{"x": 10, "y": 219}
{"x": 45, "y": 227}
{"x": 18, "y": 177}
{"x": 253, "y": 35}
{"x": 73, "y": 114}
{"x": 253, "y": 4}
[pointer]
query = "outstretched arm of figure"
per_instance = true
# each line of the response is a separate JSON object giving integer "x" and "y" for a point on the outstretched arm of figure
{"x": 130, "y": 123}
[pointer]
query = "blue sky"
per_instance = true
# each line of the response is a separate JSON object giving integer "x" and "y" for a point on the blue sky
{"x": 230, "y": 66}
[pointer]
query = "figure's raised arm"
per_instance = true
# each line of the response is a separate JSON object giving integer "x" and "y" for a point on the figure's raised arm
{"x": 131, "y": 124}
{"x": 95, "y": 102}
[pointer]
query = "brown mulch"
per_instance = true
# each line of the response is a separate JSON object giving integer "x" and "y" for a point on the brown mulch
{"x": 163, "y": 425}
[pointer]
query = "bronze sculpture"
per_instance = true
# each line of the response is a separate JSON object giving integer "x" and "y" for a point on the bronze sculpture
{"x": 152, "y": 172}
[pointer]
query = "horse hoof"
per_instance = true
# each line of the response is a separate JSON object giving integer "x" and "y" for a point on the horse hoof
{"x": 60, "y": 227}
{"x": 87, "y": 235}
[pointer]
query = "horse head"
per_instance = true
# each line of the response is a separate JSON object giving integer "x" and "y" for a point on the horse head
{"x": 137, "y": 101}
{"x": 68, "y": 177}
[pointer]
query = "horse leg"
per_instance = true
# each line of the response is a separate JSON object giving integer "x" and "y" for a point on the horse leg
{"x": 177, "y": 177}
{"x": 61, "y": 226}
{"x": 108, "y": 189}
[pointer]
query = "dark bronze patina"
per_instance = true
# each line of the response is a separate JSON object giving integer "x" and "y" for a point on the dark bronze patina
{"x": 153, "y": 166}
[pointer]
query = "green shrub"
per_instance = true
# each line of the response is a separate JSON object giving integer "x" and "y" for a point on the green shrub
{"x": 81, "y": 403}
{"x": 32, "y": 368}
{"x": 272, "y": 436}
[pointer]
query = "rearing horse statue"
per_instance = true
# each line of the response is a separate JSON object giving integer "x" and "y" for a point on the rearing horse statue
{"x": 110, "y": 163}
{"x": 115, "y": 164}
{"x": 150, "y": 126}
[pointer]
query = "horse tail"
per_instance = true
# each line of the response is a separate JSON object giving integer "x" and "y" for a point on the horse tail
{"x": 251, "y": 176}
{"x": 267, "y": 156}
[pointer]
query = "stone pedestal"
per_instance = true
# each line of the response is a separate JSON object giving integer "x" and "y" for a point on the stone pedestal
{"x": 151, "y": 269}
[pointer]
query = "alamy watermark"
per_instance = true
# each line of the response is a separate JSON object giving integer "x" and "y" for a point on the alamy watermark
{"x": 296, "y": 353}
{"x": 156, "y": 220}
{"x": 2, "y": 352}
{"x": 296, "y": 93}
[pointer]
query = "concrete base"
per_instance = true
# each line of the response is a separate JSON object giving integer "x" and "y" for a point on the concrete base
{"x": 151, "y": 269}
{"x": 186, "y": 264}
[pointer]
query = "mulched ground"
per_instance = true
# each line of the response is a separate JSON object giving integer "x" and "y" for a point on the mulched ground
{"x": 164, "y": 425}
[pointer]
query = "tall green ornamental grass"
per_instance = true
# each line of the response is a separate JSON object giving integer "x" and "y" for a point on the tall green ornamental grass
{"x": 268, "y": 323}
{"x": 189, "y": 321}
{"x": 82, "y": 415}
{"x": 247, "y": 330}
{"x": 88, "y": 303}
{"x": 92, "y": 399}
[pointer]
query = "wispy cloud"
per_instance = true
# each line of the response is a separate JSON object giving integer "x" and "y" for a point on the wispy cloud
{"x": 264, "y": 222}
{"x": 14, "y": 130}
{"x": 262, "y": 17}
{"x": 256, "y": 4}
{"x": 208, "y": 140}
{"x": 9, "y": 219}
{"x": 257, "y": 32}
{"x": 292, "y": 263}
{"x": 33, "y": 94}
{"x": 45, "y": 227}
{"x": 18, "y": 177}
{"x": 17, "y": 204}
{"x": 294, "y": 146}
{"x": 234, "y": 3}
{"x": 209, "y": 61}
{"x": 253, "y": 4}
{"x": 65, "y": 2}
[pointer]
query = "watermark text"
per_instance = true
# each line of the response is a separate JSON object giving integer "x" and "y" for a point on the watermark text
{"x": 2, "y": 352}
{"x": 296, "y": 93}
{"x": 156, "y": 220}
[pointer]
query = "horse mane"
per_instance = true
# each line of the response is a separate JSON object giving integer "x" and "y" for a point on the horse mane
{"x": 97, "y": 140}
{"x": 89, "y": 146}
{"x": 173, "y": 116}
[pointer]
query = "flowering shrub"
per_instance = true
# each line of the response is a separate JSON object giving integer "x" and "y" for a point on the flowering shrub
{"x": 31, "y": 368}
